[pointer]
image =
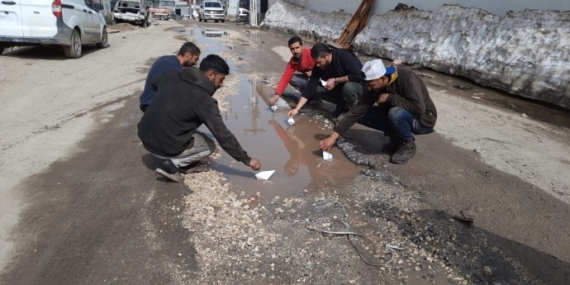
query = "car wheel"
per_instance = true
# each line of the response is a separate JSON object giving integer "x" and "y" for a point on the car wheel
{"x": 74, "y": 49}
{"x": 104, "y": 39}
{"x": 216, "y": 21}
{"x": 223, "y": 21}
{"x": 1, "y": 50}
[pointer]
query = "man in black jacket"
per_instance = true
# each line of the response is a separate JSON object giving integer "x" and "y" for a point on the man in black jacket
{"x": 336, "y": 78}
{"x": 403, "y": 108}
{"x": 183, "y": 103}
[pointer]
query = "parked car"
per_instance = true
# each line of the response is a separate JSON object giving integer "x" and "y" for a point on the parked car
{"x": 131, "y": 11}
{"x": 211, "y": 10}
{"x": 243, "y": 15}
{"x": 65, "y": 23}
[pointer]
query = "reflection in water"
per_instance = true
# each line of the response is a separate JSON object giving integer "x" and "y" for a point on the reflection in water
{"x": 213, "y": 33}
{"x": 303, "y": 148}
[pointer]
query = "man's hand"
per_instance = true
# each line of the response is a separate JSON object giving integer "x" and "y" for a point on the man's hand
{"x": 292, "y": 113}
{"x": 308, "y": 73}
{"x": 274, "y": 100}
{"x": 254, "y": 164}
{"x": 383, "y": 98}
{"x": 331, "y": 84}
{"x": 397, "y": 62}
{"x": 328, "y": 143}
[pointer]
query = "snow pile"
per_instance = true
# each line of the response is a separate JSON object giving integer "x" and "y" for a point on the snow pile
{"x": 525, "y": 53}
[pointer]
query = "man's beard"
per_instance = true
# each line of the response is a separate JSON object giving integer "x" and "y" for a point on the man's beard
{"x": 213, "y": 82}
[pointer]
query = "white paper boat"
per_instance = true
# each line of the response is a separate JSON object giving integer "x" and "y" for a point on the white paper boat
{"x": 291, "y": 121}
{"x": 274, "y": 108}
{"x": 264, "y": 175}
{"x": 327, "y": 156}
{"x": 323, "y": 82}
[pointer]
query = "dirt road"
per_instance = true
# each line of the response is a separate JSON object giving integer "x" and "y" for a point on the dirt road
{"x": 80, "y": 204}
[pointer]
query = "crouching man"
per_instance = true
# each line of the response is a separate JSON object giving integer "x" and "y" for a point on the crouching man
{"x": 397, "y": 102}
{"x": 184, "y": 102}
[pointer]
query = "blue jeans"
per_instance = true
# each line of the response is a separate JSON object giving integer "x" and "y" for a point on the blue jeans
{"x": 396, "y": 122}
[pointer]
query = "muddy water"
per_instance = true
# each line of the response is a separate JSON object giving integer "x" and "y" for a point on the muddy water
{"x": 292, "y": 151}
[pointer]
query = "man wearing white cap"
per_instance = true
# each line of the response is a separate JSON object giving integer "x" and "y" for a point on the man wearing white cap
{"x": 397, "y": 102}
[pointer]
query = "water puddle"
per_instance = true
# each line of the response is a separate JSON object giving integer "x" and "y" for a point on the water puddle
{"x": 208, "y": 40}
{"x": 292, "y": 151}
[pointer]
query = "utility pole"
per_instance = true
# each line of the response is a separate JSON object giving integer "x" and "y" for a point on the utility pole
{"x": 253, "y": 12}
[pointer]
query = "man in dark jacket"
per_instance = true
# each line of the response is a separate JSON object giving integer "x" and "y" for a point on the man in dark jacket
{"x": 183, "y": 103}
{"x": 336, "y": 78}
{"x": 403, "y": 108}
{"x": 187, "y": 56}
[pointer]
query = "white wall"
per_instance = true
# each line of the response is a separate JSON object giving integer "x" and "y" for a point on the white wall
{"x": 497, "y": 7}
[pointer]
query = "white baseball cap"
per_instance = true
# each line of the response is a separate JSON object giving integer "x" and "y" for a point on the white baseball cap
{"x": 375, "y": 69}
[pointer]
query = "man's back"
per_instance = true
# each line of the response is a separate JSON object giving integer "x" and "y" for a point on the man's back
{"x": 166, "y": 128}
{"x": 161, "y": 66}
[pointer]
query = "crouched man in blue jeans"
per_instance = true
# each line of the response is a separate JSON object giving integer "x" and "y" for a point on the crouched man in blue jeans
{"x": 397, "y": 102}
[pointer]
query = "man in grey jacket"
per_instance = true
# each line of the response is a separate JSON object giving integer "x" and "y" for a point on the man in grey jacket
{"x": 183, "y": 103}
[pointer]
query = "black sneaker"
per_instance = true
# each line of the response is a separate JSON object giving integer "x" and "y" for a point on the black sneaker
{"x": 195, "y": 167}
{"x": 169, "y": 171}
{"x": 405, "y": 152}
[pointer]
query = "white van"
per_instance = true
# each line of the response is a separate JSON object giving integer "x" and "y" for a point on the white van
{"x": 212, "y": 10}
{"x": 65, "y": 23}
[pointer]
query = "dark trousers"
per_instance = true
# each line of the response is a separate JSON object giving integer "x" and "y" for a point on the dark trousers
{"x": 299, "y": 81}
{"x": 345, "y": 95}
{"x": 396, "y": 122}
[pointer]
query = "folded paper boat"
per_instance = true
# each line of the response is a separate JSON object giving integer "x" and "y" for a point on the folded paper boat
{"x": 274, "y": 108}
{"x": 291, "y": 121}
{"x": 327, "y": 156}
{"x": 264, "y": 175}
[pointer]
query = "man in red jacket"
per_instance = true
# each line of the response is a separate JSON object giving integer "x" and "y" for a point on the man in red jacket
{"x": 302, "y": 62}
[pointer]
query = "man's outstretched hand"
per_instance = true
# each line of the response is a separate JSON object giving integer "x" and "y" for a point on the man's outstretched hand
{"x": 274, "y": 100}
{"x": 254, "y": 164}
{"x": 327, "y": 143}
{"x": 292, "y": 113}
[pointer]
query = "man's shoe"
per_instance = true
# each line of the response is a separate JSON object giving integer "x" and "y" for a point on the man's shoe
{"x": 405, "y": 152}
{"x": 169, "y": 171}
{"x": 195, "y": 167}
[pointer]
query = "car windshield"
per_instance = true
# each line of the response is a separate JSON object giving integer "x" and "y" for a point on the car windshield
{"x": 213, "y": 5}
{"x": 128, "y": 4}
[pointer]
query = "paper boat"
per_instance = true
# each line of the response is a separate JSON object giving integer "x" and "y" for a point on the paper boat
{"x": 327, "y": 156}
{"x": 323, "y": 82}
{"x": 274, "y": 108}
{"x": 264, "y": 175}
{"x": 291, "y": 121}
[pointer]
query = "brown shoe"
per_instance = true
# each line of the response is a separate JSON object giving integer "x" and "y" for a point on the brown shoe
{"x": 196, "y": 167}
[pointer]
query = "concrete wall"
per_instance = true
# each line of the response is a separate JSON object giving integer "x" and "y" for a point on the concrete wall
{"x": 497, "y": 7}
